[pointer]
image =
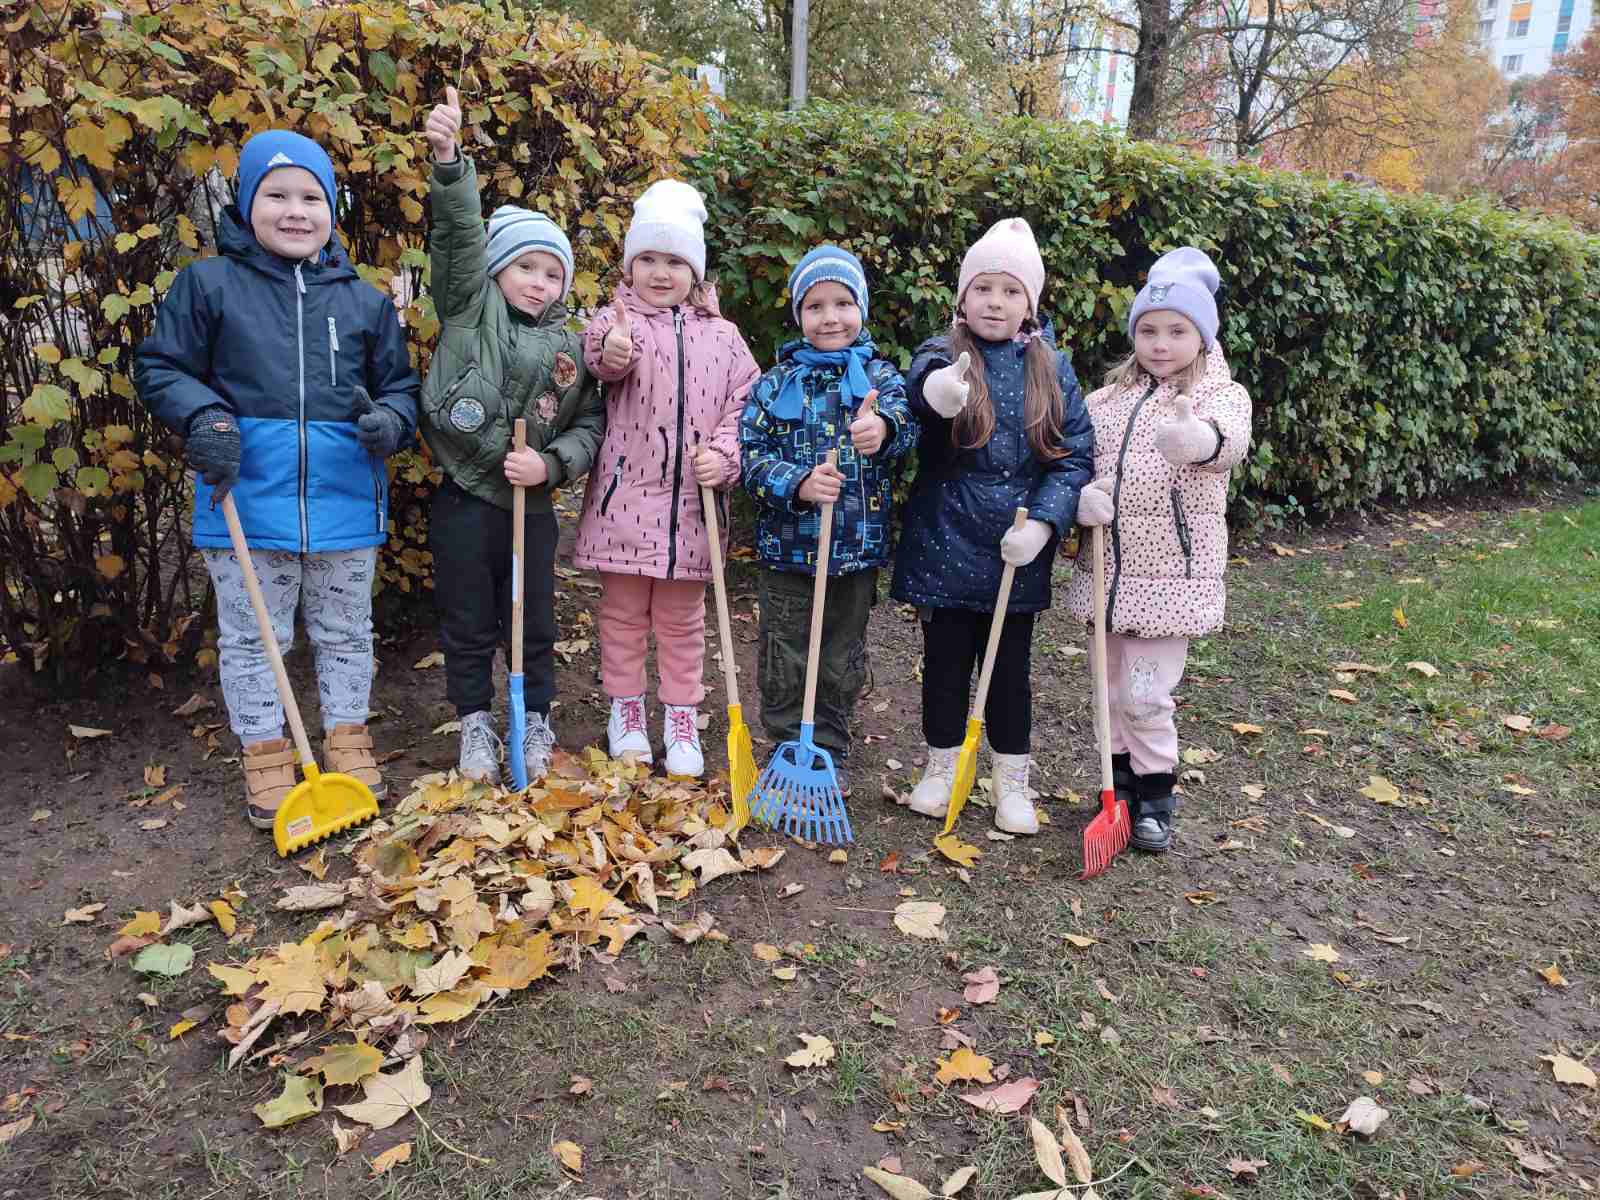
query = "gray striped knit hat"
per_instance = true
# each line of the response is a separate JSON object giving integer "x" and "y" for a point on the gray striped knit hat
{"x": 827, "y": 264}
{"x": 515, "y": 231}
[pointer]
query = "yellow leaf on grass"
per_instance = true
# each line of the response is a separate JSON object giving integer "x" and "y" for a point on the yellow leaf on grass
{"x": 144, "y": 924}
{"x": 236, "y": 981}
{"x": 450, "y": 1006}
{"x": 921, "y": 918}
{"x": 765, "y": 952}
{"x": 964, "y": 1064}
{"x": 348, "y": 1062}
{"x": 1569, "y": 1070}
{"x": 1047, "y": 1152}
{"x": 295, "y": 978}
{"x": 181, "y": 1028}
{"x": 226, "y": 919}
{"x": 1553, "y": 976}
{"x": 1380, "y": 789}
{"x": 818, "y": 1052}
{"x": 898, "y": 1187}
{"x": 1243, "y": 727}
{"x": 390, "y": 1097}
{"x": 393, "y": 1156}
{"x": 1321, "y": 952}
{"x": 957, "y": 1181}
{"x": 588, "y": 896}
{"x": 1426, "y": 669}
{"x": 301, "y": 1098}
{"x": 1400, "y": 617}
{"x": 1080, "y": 941}
{"x": 569, "y": 1155}
{"x": 1313, "y": 1120}
{"x": 957, "y": 851}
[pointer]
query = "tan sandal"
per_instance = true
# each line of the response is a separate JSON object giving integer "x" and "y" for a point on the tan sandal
{"x": 347, "y": 749}
{"x": 268, "y": 779}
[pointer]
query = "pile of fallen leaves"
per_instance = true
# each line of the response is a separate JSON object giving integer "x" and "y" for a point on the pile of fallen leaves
{"x": 461, "y": 896}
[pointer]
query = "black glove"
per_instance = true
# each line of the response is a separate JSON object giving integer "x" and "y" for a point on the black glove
{"x": 213, "y": 449}
{"x": 379, "y": 429}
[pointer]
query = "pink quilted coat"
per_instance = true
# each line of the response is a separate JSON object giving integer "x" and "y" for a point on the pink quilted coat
{"x": 1167, "y": 548}
{"x": 684, "y": 388}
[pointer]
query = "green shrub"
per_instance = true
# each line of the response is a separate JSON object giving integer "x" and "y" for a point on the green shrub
{"x": 1392, "y": 347}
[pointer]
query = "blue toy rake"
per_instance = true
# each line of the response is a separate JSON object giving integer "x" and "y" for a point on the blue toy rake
{"x": 515, "y": 740}
{"x": 799, "y": 792}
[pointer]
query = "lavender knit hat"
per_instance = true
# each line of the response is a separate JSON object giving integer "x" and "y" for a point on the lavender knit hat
{"x": 1182, "y": 281}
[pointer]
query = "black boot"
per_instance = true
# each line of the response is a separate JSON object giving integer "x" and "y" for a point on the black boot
{"x": 1123, "y": 782}
{"x": 1152, "y": 826}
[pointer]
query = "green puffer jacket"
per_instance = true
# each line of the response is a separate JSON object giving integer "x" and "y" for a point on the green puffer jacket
{"x": 493, "y": 364}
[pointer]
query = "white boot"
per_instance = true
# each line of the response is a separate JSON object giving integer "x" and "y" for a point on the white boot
{"x": 681, "y": 732}
{"x": 626, "y": 732}
{"x": 1013, "y": 811}
{"x": 931, "y": 796}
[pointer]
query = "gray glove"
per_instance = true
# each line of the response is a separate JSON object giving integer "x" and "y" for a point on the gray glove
{"x": 213, "y": 449}
{"x": 379, "y": 429}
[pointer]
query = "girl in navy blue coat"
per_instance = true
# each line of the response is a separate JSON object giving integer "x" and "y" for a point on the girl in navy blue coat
{"x": 1003, "y": 426}
{"x": 288, "y": 375}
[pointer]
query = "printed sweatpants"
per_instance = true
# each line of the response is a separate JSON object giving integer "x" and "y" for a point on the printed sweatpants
{"x": 334, "y": 589}
{"x": 1142, "y": 673}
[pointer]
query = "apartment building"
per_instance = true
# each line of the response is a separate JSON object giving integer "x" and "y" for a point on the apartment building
{"x": 1524, "y": 37}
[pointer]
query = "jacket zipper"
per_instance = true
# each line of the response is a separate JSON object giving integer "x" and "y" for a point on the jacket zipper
{"x": 1181, "y": 520}
{"x": 1116, "y": 503}
{"x": 333, "y": 352}
{"x": 677, "y": 470}
{"x": 861, "y": 478}
{"x": 300, "y": 347}
{"x": 616, "y": 478}
{"x": 378, "y": 473}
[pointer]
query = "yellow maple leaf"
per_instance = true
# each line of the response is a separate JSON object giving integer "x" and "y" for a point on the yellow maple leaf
{"x": 957, "y": 851}
{"x": 144, "y": 924}
{"x": 236, "y": 981}
{"x": 569, "y": 1155}
{"x": 294, "y": 977}
{"x": 451, "y": 1006}
{"x": 588, "y": 896}
{"x": 964, "y": 1064}
{"x": 348, "y": 1062}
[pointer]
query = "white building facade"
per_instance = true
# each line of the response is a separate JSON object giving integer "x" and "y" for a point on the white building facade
{"x": 1525, "y": 37}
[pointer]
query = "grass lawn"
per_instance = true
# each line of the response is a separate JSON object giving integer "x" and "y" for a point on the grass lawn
{"x": 1388, "y": 830}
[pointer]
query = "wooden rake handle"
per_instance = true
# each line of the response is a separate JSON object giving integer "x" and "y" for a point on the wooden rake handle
{"x": 719, "y": 584}
{"x": 998, "y": 623}
{"x": 241, "y": 550}
{"x": 1102, "y": 684}
{"x": 519, "y": 511}
{"x": 819, "y": 598}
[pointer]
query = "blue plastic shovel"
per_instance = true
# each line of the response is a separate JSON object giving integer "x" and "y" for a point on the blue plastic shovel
{"x": 519, "y": 709}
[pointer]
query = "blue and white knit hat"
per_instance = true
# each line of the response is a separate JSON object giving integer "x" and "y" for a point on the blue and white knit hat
{"x": 1182, "y": 281}
{"x": 515, "y": 231}
{"x": 827, "y": 264}
{"x": 274, "y": 148}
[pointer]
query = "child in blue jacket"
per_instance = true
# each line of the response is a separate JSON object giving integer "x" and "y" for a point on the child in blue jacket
{"x": 813, "y": 401}
{"x": 289, "y": 377}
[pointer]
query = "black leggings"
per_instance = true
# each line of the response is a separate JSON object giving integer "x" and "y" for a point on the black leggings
{"x": 953, "y": 641}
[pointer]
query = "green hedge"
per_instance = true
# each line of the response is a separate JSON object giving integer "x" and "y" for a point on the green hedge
{"x": 1392, "y": 346}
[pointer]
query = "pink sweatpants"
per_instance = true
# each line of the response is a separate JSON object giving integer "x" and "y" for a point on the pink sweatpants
{"x": 1142, "y": 673}
{"x": 631, "y": 607}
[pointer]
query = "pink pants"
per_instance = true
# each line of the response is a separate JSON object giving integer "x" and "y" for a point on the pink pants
{"x": 1142, "y": 673}
{"x": 631, "y": 607}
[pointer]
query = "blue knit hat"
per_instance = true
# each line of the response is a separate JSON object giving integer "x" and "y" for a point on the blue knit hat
{"x": 274, "y": 148}
{"x": 515, "y": 231}
{"x": 827, "y": 264}
{"x": 1182, "y": 281}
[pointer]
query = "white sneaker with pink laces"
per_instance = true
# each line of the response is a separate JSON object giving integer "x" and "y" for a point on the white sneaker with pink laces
{"x": 626, "y": 732}
{"x": 681, "y": 732}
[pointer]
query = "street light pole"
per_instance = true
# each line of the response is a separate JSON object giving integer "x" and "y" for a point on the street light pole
{"x": 800, "y": 31}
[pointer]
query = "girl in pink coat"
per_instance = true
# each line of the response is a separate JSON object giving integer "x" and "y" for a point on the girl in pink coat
{"x": 675, "y": 376}
{"x": 1169, "y": 427}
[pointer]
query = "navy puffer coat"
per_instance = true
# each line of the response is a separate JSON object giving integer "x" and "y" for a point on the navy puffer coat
{"x": 963, "y": 501}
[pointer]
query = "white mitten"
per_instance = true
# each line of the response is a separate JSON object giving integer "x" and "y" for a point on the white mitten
{"x": 1185, "y": 438}
{"x": 1094, "y": 504}
{"x": 1020, "y": 547}
{"x": 946, "y": 390}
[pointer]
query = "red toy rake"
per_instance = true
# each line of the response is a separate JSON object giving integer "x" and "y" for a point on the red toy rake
{"x": 1106, "y": 835}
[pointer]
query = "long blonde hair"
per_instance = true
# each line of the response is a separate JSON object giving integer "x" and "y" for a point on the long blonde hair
{"x": 1129, "y": 371}
{"x": 1041, "y": 410}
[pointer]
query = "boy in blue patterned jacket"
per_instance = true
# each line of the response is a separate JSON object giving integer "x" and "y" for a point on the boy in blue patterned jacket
{"x": 812, "y": 402}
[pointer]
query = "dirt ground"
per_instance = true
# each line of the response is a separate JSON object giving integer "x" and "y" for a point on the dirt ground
{"x": 1443, "y": 912}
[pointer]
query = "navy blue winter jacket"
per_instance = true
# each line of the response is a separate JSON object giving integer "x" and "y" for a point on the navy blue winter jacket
{"x": 963, "y": 501}
{"x": 777, "y": 454}
{"x": 281, "y": 345}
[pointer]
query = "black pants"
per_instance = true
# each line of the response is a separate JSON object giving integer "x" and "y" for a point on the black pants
{"x": 471, "y": 544}
{"x": 953, "y": 642}
{"x": 842, "y": 667}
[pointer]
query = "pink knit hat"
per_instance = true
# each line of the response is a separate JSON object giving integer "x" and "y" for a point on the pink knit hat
{"x": 1009, "y": 248}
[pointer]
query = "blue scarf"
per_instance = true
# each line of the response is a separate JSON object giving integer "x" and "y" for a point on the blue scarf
{"x": 853, "y": 383}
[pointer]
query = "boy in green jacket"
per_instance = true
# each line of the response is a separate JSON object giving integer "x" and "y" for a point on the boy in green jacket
{"x": 504, "y": 352}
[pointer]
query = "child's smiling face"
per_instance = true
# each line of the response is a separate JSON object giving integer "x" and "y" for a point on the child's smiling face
{"x": 532, "y": 281}
{"x": 660, "y": 279}
{"x": 1165, "y": 342}
{"x": 830, "y": 318}
{"x": 995, "y": 306}
{"x": 289, "y": 213}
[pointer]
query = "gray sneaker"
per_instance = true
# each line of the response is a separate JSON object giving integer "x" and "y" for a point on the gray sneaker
{"x": 481, "y": 748}
{"x": 538, "y": 743}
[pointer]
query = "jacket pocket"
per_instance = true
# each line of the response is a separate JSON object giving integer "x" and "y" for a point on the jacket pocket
{"x": 611, "y": 488}
{"x": 1180, "y": 520}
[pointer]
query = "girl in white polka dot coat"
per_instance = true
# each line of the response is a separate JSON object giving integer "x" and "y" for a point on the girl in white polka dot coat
{"x": 1169, "y": 428}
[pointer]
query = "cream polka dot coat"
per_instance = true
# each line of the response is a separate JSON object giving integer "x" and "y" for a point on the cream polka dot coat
{"x": 1167, "y": 548}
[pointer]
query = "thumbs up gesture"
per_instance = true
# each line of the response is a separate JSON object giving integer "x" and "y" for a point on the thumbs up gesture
{"x": 443, "y": 127}
{"x": 947, "y": 389}
{"x": 616, "y": 350}
{"x": 1184, "y": 438}
{"x": 868, "y": 431}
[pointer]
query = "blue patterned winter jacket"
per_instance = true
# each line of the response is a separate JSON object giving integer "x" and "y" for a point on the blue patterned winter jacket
{"x": 777, "y": 453}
